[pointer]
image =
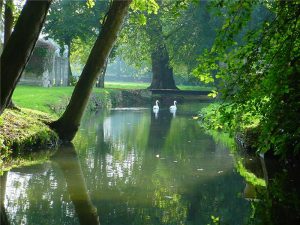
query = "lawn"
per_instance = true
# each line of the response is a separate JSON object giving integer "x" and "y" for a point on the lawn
{"x": 39, "y": 98}
{"x": 135, "y": 85}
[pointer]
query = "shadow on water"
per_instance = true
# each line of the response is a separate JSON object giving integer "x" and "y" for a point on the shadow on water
{"x": 67, "y": 160}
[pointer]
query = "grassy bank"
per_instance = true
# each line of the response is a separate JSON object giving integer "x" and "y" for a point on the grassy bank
{"x": 23, "y": 129}
{"x": 49, "y": 100}
{"x": 54, "y": 100}
{"x": 27, "y": 128}
{"x": 222, "y": 117}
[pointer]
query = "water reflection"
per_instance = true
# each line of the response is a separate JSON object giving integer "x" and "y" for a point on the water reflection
{"x": 133, "y": 168}
{"x": 4, "y": 219}
{"x": 66, "y": 159}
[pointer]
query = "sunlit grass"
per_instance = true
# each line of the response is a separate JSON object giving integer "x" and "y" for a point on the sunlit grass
{"x": 126, "y": 85}
{"x": 140, "y": 85}
{"x": 42, "y": 99}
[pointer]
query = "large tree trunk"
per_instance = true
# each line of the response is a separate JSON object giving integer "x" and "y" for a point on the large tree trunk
{"x": 67, "y": 125}
{"x": 100, "y": 83}
{"x": 162, "y": 71}
{"x": 162, "y": 77}
{"x": 20, "y": 46}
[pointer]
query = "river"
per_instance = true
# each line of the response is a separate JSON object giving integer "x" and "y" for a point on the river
{"x": 130, "y": 166}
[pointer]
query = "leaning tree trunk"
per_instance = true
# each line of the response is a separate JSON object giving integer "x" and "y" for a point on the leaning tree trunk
{"x": 8, "y": 20}
{"x": 20, "y": 46}
{"x": 8, "y": 26}
{"x": 161, "y": 69}
{"x": 67, "y": 125}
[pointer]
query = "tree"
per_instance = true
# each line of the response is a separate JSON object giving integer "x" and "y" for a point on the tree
{"x": 8, "y": 20}
{"x": 67, "y": 125}
{"x": 143, "y": 41}
{"x": 170, "y": 41}
{"x": 162, "y": 77}
{"x": 70, "y": 20}
{"x": 8, "y": 26}
{"x": 20, "y": 46}
{"x": 258, "y": 46}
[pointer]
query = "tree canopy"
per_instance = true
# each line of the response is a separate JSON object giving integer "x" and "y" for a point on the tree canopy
{"x": 256, "y": 59}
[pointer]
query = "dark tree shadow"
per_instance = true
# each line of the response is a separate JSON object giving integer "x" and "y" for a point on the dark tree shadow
{"x": 4, "y": 218}
{"x": 67, "y": 160}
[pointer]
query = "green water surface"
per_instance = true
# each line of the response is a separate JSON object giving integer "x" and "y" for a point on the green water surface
{"x": 128, "y": 166}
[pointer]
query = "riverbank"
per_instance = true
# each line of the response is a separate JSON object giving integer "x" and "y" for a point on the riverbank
{"x": 54, "y": 100}
{"x": 275, "y": 190}
{"x": 23, "y": 131}
{"x": 26, "y": 129}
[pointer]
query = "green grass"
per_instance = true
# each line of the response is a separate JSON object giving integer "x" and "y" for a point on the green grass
{"x": 42, "y": 99}
{"x": 135, "y": 85}
{"x": 126, "y": 85}
{"x": 23, "y": 130}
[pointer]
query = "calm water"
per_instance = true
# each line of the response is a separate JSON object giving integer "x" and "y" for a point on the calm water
{"x": 129, "y": 167}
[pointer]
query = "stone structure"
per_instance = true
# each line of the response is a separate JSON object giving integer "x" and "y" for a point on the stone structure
{"x": 46, "y": 67}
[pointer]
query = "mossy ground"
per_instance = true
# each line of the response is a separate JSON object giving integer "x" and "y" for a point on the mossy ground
{"x": 23, "y": 129}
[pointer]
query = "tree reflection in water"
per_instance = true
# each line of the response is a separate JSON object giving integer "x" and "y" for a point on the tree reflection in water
{"x": 67, "y": 160}
{"x": 134, "y": 169}
{"x": 4, "y": 219}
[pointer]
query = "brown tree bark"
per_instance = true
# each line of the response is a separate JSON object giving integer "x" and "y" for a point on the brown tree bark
{"x": 162, "y": 77}
{"x": 162, "y": 71}
{"x": 20, "y": 46}
{"x": 67, "y": 125}
{"x": 1, "y": 25}
{"x": 8, "y": 26}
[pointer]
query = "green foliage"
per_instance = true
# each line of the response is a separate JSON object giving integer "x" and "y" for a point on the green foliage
{"x": 148, "y": 6}
{"x": 215, "y": 220}
{"x": 255, "y": 60}
{"x": 184, "y": 26}
{"x": 68, "y": 20}
{"x": 41, "y": 58}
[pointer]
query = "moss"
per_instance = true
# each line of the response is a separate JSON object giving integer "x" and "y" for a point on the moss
{"x": 23, "y": 131}
{"x": 249, "y": 176}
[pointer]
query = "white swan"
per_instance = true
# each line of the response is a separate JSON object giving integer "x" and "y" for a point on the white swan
{"x": 173, "y": 107}
{"x": 156, "y": 107}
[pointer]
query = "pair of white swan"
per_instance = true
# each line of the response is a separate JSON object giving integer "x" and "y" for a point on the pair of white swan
{"x": 172, "y": 107}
